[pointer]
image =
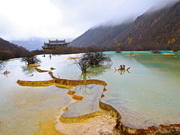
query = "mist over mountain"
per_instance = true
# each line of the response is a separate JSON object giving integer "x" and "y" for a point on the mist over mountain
{"x": 31, "y": 44}
{"x": 158, "y": 29}
{"x": 66, "y": 18}
{"x": 155, "y": 29}
{"x": 35, "y": 43}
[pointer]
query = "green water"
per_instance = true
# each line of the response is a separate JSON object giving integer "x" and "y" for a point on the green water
{"x": 148, "y": 95}
{"x": 90, "y": 103}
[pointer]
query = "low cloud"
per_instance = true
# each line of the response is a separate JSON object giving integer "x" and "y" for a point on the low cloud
{"x": 21, "y": 19}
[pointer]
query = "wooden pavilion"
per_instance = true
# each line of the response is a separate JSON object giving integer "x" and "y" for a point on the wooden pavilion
{"x": 55, "y": 44}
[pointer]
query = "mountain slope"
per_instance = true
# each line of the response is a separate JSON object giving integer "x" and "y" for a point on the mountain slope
{"x": 100, "y": 36}
{"x": 152, "y": 30}
{"x": 9, "y": 50}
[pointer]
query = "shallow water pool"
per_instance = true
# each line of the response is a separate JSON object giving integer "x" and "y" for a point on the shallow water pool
{"x": 146, "y": 95}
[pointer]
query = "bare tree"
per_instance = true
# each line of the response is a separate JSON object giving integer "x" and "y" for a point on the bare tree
{"x": 30, "y": 59}
{"x": 92, "y": 59}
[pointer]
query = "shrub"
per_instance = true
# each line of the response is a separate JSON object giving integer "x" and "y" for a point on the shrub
{"x": 92, "y": 59}
{"x": 30, "y": 59}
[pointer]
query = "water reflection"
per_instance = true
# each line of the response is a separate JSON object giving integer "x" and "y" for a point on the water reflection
{"x": 94, "y": 72}
{"x": 89, "y": 92}
{"x": 84, "y": 89}
{"x": 50, "y": 56}
{"x": 154, "y": 81}
{"x": 6, "y": 72}
{"x": 122, "y": 69}
{"x": 2, "y": 65}
{"x": 161, "y": 63}
{"x": 28, "y": 70}
{"x": 144, "y": 98}
{"x": 84, "y": 76}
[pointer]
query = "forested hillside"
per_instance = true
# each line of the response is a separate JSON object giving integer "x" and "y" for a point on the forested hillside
{"x": 152, "y": 30}
{"x": 9, "y": 50}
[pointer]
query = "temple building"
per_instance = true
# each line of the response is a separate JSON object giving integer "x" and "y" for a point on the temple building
{"x": 55, "y": 44}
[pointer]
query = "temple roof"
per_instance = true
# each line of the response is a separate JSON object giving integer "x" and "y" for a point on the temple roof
{"x": 56, "y": 42}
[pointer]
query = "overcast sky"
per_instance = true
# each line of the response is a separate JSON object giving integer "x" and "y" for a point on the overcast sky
{"x": 22, "y": 19}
